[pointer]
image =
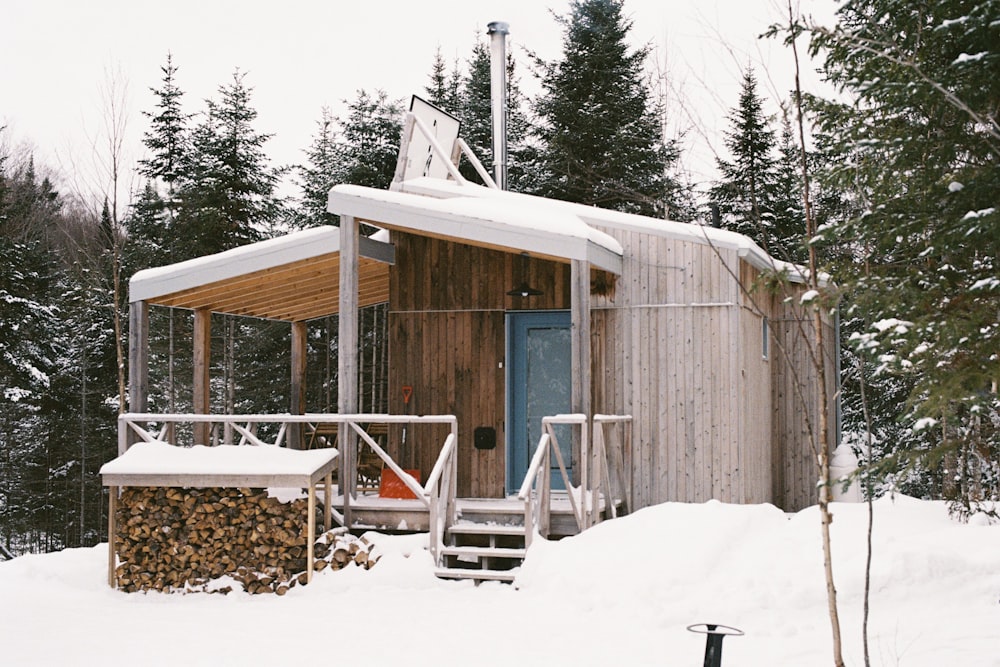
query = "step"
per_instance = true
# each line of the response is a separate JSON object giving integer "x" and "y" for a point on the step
{"x": 484, "y": 552}
{"x": 474, "y": 528}
{"x": 478, "y": 575}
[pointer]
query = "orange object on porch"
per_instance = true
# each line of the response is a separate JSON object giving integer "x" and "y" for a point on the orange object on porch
{"x": 391, "y": 486}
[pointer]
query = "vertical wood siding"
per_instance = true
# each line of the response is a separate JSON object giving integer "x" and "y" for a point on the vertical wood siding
{"x": 447, "y": 341}
{"x": 796, "y": 402}
{"x": 668, "y": 356}
{"x": 675, "y": 342}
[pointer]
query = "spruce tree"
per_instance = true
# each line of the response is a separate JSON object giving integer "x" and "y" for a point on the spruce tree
{"x": 318, "y": 175}
{"x": 166, "y": 139}
{"x": 369, "y": 140}
{"x": 745, "y": 191}
{"x": 227, "y": 197}
{"x": 599, "y": 134}
{"x": 788, "y": 230}
{"x": 443, "y": 89}
{"x": 920, "y": 146}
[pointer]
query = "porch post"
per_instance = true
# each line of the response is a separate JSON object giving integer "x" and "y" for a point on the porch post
{"x": 347, "y": 353}
{"x": 138, "y": 361}
{"x": 298, "y": 401}
{"x": 580, "y": 351}
{"x": 202, "y": 352}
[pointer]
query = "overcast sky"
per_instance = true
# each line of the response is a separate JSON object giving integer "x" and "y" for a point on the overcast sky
{"x": 300, "y": 56}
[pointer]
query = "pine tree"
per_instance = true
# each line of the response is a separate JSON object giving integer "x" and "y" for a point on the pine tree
{"x": 29, "y": 212}
{"x": 369, "y": 140}
{"x": 318, "y": 175}
{"x": 745, "y": 191}
{"x": 787, "y": 232}
{"x": 443, "y": 89}
{"x": 166, "y": 139}
{"x": 599, "y": 133}
{"x": 227, "y": 196}
{"x": 476, "y": 110}
{"x": 920, "y": 147}
{"x": 167, "y": 143}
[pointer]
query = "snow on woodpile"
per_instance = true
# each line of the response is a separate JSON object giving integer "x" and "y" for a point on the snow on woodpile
{"x": 179, "y": 527}
{"x": 162, "y": 458}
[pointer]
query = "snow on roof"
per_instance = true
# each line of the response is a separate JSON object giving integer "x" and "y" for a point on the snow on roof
{"x": 293, "y": 247}
{"x": 160, "y": 458}
{"x": 520, "y": 224}
{"x": 593, "y": 215}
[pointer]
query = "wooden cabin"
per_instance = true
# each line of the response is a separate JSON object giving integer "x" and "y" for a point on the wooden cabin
{"x": 504, "y": 308}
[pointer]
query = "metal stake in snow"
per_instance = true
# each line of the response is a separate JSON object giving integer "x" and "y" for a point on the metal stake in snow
{"x": 713, "y": 642}
{"x": 497, "y": 30}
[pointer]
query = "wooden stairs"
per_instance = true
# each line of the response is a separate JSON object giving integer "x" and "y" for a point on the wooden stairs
{"x": 487, "y": 543}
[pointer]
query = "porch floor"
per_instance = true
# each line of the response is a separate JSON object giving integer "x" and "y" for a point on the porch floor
{"x": 371, "y": 512}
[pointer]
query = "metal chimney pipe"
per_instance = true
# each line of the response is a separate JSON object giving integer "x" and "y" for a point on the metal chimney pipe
{"x": 498, "y": 31}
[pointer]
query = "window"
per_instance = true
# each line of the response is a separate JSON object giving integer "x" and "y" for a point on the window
{"x": 765, "y": 342}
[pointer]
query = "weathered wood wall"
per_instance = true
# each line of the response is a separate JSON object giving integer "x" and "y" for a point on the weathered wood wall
{"x": 755, "y": 377}
{"x": 447, "y": 341}
{"x": 796, "y": 401}
{"x": 675, "y": 342}
{"x": 665, "y": 352}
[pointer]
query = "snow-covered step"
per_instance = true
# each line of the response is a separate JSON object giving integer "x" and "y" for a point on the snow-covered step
{"x": 472, "y": 554}
{"x": 473, "y": 528}
{"x": 478, "y": 575}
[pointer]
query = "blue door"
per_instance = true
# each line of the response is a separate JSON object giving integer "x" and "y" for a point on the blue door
{"x": 539, "y": 369}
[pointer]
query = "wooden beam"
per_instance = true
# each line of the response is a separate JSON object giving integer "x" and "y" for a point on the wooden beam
{"x": 200, "y": 385}
{"x": 298, "y": 399}
{"x": 580, "y": 347}
{"x": 347, "y": 354}
{"x": 138, "y": 360}
{"x": 112, "y": 542}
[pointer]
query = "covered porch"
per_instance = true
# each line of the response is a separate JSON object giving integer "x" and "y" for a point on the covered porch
{"x": 449, "y": 303}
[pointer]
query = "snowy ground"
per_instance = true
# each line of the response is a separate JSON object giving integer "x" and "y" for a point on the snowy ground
{"x": 620, "y": 594}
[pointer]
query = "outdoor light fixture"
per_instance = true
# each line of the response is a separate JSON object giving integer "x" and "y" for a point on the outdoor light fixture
{"x": 523, "y": 289}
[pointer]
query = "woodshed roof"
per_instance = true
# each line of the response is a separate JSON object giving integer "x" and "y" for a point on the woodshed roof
{"x": 295, "y": 277}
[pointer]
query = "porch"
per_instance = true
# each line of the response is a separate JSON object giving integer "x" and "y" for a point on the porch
{"x": 478, "y": 538}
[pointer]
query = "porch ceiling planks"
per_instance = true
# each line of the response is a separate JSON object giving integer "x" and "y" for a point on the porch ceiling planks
{"x": 292, "y": 278}
{"x": 299, "y": 291}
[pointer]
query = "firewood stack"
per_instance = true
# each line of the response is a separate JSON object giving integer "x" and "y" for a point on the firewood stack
{"x": 173, "y": 539}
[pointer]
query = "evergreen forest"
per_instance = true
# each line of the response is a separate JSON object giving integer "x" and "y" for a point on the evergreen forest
{"x": 892, "y": 186}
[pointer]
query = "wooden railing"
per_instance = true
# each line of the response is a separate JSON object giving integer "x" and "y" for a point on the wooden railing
{"x": 612, "y": 464}
{"x": 437, "y": 495}
{"x": 605, "y": 467}
{"x": 441, "y": 489}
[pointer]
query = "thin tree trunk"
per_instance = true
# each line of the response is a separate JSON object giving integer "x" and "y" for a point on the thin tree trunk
{"x": 83, "y": 440}
{"x": 823, "y": 456}
{"x": 871, "y": 510}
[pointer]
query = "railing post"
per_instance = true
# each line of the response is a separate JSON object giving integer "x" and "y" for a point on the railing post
{"x": 138, "y": 361}
{"x": 123, "y": 434}
{"x": 545, "y": 484}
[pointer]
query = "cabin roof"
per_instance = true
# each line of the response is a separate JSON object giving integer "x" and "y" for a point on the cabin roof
{"x": 592, "y": 215}
{"x": 520, "y": 224}
{"x": 296, "y": 277}
{"x": 293, "y": 277}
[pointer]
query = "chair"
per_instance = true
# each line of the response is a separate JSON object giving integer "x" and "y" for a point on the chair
{"x": 369, "y": 463}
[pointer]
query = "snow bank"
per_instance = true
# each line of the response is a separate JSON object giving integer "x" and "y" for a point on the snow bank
{"x": 619, "y": 594}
